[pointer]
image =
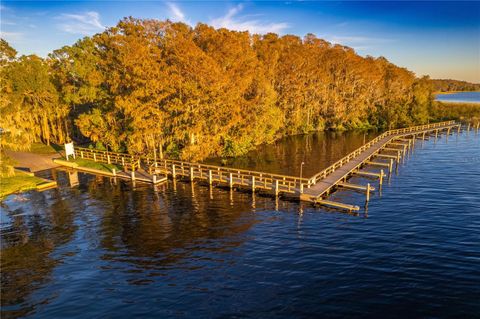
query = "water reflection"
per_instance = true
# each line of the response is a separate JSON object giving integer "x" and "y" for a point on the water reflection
{"x": 114, "y": 249}
{"x": 30, "y": 233}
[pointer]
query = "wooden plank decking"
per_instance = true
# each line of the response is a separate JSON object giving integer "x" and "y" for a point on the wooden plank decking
{"x": 332, "y": 179}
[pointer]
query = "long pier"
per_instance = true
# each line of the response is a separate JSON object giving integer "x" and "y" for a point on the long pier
{"x": 381, "y": 152}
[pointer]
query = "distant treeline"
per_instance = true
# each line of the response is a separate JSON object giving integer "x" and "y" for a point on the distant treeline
{"x": 157, "y": 87}
{"x": 447, "y": 85}
{"x": 465, "y": 112}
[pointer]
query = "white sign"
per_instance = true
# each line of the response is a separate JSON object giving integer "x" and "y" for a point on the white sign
{"x": 69, "y": 150}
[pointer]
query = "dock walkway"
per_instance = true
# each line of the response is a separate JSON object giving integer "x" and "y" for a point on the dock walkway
{"x": 389, "y": 147}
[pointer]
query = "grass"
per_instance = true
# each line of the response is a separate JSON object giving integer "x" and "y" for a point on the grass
{"x": 40, "y": 148}
{"x": 19, "y": 182}
{"x": 95, "y": 165}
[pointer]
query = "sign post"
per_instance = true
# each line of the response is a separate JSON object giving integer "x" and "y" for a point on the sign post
{"x": 69, "y": 150}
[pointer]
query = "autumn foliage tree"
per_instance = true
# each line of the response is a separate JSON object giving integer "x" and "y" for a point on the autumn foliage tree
{"x": 167, "y": 89}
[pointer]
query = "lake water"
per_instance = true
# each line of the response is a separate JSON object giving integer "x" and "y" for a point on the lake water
{"x": 106, "y": 250}
{"x": 464, "y": 97}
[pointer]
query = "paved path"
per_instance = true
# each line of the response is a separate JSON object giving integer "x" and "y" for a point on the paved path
{"x": 33, "y": 162}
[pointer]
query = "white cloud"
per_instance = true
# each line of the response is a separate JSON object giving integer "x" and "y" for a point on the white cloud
{"x": 85, "y": 24}
{"x": 360, "y": 43}
{"x": 234, "y": 22}
{"x": 177, "y": 14}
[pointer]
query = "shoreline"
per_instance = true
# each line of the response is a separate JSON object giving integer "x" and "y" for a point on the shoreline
{"x": 473, "y": 103}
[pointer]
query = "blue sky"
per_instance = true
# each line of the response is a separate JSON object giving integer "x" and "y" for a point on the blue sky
{"x": 441, "y": 39}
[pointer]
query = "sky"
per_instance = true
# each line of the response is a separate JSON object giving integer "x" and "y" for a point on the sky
{"x": 436, "y": 38}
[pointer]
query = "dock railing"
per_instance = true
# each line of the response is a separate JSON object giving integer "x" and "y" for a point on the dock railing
{"x": 284, "y": 183}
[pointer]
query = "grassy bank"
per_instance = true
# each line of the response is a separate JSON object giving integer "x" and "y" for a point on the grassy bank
{"x": 467, "y": 112}
{"x": 19, "y": 182}
{"x": 96, "y": 165}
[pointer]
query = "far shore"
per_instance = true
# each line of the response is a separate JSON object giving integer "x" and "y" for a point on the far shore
{"x": 453, "y": 92}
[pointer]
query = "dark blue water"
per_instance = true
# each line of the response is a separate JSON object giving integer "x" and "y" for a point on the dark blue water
{"x": 105, "y": 250}
{"x": 459, "y": 97}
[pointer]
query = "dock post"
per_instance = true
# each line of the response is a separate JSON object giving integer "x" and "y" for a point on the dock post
{"x": 123, "y": 161}
{"x": 423, "y": 137}
{"x": 381, "y": 177}
{"x": 301, "y": 188}
{"x": 459, "y": 127}
{"x": 114, "y": 172}
{"x": 398, "y": 157}
{"x": 253, "y": 184}
{"x": 210, "y": 177}
{"x": 133, "y": 175}
{"x": 81, "y": 154}
{"x": 368, "y": 192}
{"x": 173, "y": 171}
{"x": 94, "y": 157}
{"x": 230, "y": 182}
{"x": 468, "y": 127}
{"x": 436, "y": 134}
{"x": 276, "y": 187}
{"x": 390, "y": 167}
{"x": 154, "y": 178}
{"x": 108, "y": 159}
{"x": 191, "y": 173}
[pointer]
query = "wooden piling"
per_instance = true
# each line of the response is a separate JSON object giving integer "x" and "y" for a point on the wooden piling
{"x": 94, "y": 157}
{"x": 173, "y": 171}
{"x": 210, "y": 177}
{"x": 390, "y": 167}
{"x": 133, "y": 175}
{"x": 276, "y": 187}
{"x": 108, "y": 159}
{"x": 191, "y": 173}
{"x": 381, "y": 176}
{"x": 253, "y": 184}
{"x": 368, "y": 192}
{"x": 230, "y": 181}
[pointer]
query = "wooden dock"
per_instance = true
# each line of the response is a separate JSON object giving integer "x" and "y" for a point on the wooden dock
{"x": 384, "y": 150}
